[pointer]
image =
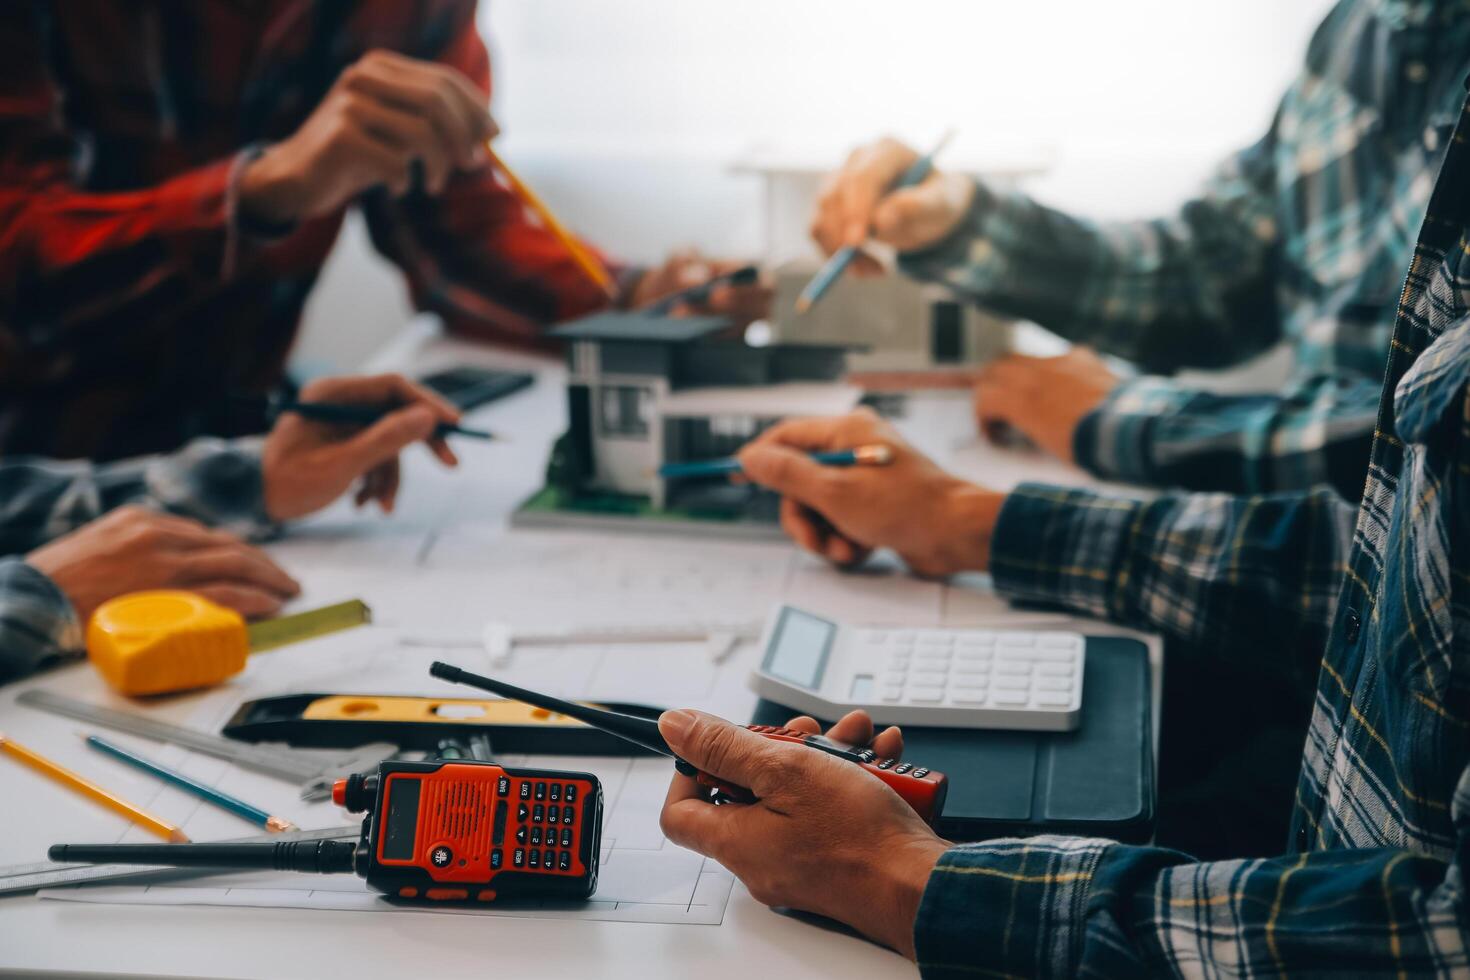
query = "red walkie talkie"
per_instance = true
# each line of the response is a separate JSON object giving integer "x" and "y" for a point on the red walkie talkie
{"x": 921, "y": 788}
{"x": 441, "y": 831}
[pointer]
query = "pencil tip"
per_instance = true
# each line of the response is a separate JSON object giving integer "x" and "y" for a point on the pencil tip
{"x": 803, "y": 304}
{"x": 177, "y": 836}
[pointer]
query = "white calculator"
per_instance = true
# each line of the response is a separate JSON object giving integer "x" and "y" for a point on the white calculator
{"x": 946, "y": 678}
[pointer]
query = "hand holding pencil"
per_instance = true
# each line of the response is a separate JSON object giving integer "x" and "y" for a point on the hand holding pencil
{"x": 890, "y": 193}
{"x": 844, "y": 512}
{"x": 305, "y": 464}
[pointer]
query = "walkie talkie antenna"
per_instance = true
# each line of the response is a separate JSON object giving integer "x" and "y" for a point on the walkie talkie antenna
{"x": 639, "y": 731}
{"x": 310, "y": 856}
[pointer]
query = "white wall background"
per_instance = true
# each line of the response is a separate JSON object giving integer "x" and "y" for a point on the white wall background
{"x": 625, "y": 113}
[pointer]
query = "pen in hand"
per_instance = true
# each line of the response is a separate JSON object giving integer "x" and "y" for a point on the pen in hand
{"x": 876, "y": 454}
{"x": 366, "y": 415}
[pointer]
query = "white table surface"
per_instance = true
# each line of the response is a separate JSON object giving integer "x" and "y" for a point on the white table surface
{"x": 447, "y": 515}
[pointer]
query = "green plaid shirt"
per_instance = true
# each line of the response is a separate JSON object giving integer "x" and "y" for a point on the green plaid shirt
{"x": 1375, "y": 606}
{"x": 1303, "y": 237}
{"x": 211, "y": 481}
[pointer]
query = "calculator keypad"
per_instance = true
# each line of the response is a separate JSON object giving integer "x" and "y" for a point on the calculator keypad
{"x": 546, "y": 836}
{"x": 1023, "y": 671}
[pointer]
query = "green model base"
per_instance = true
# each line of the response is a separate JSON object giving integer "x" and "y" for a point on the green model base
{"x": 597, "y": 510}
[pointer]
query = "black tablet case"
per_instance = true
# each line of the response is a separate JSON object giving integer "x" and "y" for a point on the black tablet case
{"x": 1097, "y": 780}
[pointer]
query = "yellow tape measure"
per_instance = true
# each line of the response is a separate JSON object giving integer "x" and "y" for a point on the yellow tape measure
{"x": 165, "y": 641}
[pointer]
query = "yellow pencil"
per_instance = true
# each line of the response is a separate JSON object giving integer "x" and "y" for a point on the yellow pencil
{"x": 579, "y": 254}
{"x": 87, "y": 788}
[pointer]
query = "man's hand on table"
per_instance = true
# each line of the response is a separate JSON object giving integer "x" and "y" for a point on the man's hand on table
{"x": 307, "y": 464}
{"x": 132, "y": 549}
{"x": 938, "y": 523}
{"x": 1043, "y": 398}
{"x": 824, "y": 836}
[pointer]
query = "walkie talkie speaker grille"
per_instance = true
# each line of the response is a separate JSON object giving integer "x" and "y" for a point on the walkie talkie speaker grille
{"x": 459, "y": 811}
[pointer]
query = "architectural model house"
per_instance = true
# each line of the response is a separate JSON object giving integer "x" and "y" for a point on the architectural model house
{"x": 898, "y": 324}
{"x": 646, "y": 390}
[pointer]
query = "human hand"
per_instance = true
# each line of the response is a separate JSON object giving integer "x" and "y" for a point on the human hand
{"x": 856, "y": 204}
{"x": 1044, "y": 398}
{"x": 132, "y": 549}
{"x": 384, "y": 113}
{"x": 307, "y": 464}
{"x": 683, "y": 270}
{"x": 938, "y": 523}
{"x": 823, "y": 835}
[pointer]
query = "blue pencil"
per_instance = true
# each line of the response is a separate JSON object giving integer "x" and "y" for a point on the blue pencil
{"x": 210, "y": 795}
{"x": 876, "y": 455}
{"x": 842, "y": 258}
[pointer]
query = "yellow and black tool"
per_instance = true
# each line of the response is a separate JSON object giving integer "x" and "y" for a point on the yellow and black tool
{"x": 341, "y": 720}
{"x": 165, "y": 641}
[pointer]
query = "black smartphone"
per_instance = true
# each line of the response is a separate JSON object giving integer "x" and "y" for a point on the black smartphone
{"x": 468, "y": 387}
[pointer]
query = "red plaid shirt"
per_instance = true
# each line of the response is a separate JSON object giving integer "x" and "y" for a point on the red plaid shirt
{"x": 132, "y": 296}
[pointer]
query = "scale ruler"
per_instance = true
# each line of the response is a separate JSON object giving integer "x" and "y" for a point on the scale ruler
{"x": 49, "y": 874}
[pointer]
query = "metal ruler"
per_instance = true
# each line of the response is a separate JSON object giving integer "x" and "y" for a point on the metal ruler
{"x": 271, "y": 633}
{"x": 292, "y": 765}
{"x": 48, "y": 874}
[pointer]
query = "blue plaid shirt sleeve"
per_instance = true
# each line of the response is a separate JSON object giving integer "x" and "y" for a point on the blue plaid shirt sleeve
{"x": 218, "y": 483}
{"x": 213, "y": 481}
{"x": 37, "y": 624}
{"x": 1080, "y": 907}
{"x": 1233, "y": 576}
{"x": 1195, "y": 290}
{"x": 1192, "y": 290}
{"x": 1156, "y": 432}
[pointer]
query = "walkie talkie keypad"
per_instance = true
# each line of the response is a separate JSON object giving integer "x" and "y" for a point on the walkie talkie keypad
{"x": 547, "y": 826}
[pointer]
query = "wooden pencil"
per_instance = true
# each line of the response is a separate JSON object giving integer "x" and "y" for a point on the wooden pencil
{"x": 579, "y": 253}
{"x": 90, "y": 790}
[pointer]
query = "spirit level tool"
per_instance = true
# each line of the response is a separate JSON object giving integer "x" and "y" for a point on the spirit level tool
{"x": 420, "y": 723}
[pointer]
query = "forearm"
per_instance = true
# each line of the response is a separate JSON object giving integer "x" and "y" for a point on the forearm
{"x": 1066, "y": 907}
{"x": 1251, "y": 578}
{"x": 1153, "y": 431}
{"x": 58, "y": 235}
{"x": 1194, "y": 290}
{"x": 37, "y": 623}
{"x": 215, "y": 482}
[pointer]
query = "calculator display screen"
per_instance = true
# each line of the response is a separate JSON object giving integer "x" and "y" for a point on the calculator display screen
{"x": 799, "y": 648}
